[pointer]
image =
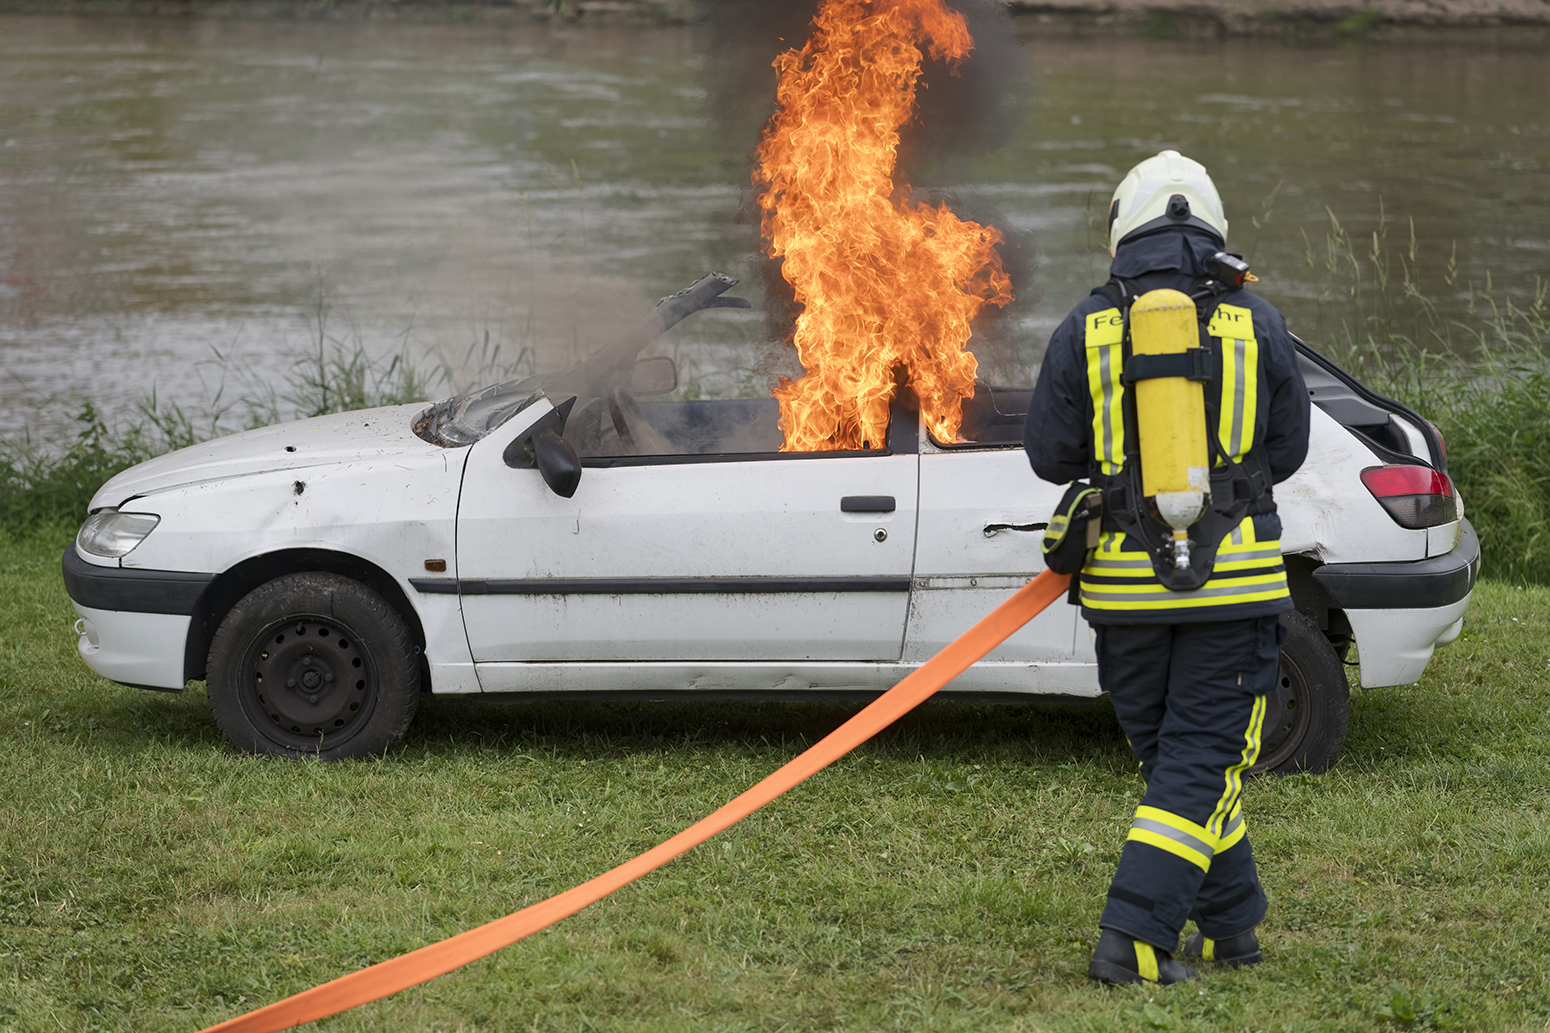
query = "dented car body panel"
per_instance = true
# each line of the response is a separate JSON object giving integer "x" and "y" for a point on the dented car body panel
{"x": 698, "y": 572}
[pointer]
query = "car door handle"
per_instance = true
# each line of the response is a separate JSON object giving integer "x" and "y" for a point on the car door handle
{"x": 868, "y": 504}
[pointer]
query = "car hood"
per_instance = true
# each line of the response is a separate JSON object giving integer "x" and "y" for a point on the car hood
{"x": 363, "y": 436}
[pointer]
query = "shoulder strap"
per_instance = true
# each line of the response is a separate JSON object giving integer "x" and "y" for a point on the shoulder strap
{"x": 1120, "y": 291}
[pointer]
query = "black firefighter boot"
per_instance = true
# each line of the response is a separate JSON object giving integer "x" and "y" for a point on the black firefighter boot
{"x": 1119, "y": 959}
{"x": 1235, "y": 951}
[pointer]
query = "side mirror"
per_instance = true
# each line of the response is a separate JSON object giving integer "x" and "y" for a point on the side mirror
{"x": 544, "y": 448}
{"x": 557, "y": 462}
{"x": 656, "y": 375}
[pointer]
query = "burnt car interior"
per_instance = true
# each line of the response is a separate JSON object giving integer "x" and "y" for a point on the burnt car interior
{"x": 602, "y": 417}
{"x": 620, "y": 425}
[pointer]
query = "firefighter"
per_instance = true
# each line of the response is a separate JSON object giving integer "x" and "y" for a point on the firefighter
{"x": 1185, "y": 621}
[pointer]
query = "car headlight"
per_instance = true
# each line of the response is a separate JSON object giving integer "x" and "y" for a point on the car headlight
{"x": 112, "y": 534}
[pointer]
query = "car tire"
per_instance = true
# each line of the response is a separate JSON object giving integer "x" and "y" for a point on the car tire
{"x": 1309, "y": 709}
{"x": 313, "y": 666}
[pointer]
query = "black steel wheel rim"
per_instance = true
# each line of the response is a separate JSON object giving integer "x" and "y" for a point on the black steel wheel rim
{"x": 1288, "y": 713}
{"x": 306, "y": 684}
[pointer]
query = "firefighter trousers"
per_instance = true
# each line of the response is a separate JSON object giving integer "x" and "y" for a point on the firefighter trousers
{"x": 1191, "y": 701}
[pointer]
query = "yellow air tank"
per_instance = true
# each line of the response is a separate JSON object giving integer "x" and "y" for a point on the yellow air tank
{"x": 1171, "y": 415}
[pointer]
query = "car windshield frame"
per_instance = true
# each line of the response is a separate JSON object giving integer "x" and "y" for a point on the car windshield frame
{"x": 467, "y": 418}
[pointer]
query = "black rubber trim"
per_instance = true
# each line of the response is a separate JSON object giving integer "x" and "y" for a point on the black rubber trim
{"x": 868, "y": 504}
{"x": 129, "y": 590}
{"x": 1439, "y": 461}
{"x": 435, "y": 585}
{"x": 1421, "y": 584}
{"x": 661, "y": 585}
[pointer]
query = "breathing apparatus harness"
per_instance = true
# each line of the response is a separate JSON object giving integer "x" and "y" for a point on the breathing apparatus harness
{"x": 1237, "y": 489}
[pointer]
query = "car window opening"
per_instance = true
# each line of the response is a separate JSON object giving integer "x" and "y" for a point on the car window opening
{"x": 610, "y": 423}
{"x": 994, "y": 417}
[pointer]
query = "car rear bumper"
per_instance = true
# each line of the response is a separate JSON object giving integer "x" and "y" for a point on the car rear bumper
{"x": 1401, "y": 612}
{"x": 1437, "y": 581}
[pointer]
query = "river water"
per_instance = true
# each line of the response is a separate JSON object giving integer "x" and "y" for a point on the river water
{"x": 184, "y": 204}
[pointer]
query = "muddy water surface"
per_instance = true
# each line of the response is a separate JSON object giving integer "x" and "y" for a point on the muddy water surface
{"x": 171, "y": 192}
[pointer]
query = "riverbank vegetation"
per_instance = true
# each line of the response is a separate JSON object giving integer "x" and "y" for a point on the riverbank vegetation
{"x": 1484, "y": 381}
{"x": 947, "y": 876}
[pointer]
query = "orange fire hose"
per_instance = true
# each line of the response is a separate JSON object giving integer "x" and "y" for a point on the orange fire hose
{"x": 419, "y": 966}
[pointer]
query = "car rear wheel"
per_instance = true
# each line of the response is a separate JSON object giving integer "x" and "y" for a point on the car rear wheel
{"x": 313, "y": 666}
{"x": 1309, "y": 709}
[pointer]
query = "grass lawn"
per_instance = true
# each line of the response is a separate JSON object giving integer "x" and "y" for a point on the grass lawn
{"x": 947, "y": 876}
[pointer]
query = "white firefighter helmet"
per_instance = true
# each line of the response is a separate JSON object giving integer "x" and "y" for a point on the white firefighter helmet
{"x": 1166, "y": 189}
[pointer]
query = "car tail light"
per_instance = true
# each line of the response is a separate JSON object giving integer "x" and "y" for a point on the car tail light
{"x": 1415, "y": 496}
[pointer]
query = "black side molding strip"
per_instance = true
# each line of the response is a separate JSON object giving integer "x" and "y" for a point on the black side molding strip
{"x": 659, "y": 585}
{"x": 134, "y": 591}
{"x": 1421, "y": 584}
{"x": 435, "y": 585}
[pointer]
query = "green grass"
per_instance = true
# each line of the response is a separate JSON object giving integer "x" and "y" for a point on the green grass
{"x": 946, "y": 876}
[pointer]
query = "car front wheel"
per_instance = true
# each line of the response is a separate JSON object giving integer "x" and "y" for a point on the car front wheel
{"x": 1309, "y": 709}
{"x": 313, "y": 665}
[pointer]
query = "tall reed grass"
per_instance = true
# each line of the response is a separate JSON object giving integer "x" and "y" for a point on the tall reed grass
{"x": 47, "y": 484}
{"x": 1483, "y": 381}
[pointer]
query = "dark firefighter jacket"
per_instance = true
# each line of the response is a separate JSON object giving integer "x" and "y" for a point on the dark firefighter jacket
{"x": 1249, "y": 579}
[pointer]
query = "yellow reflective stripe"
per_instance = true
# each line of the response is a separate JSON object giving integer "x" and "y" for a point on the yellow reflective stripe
{"x": 1233, "y": 325}
{"x": 1220, "y": 588}
{"x": 1178, "y": 836}
{"x": 1107, "y": 604}
{"x": 1171, "y": 846}
{"x": 1248, "y": 400}
{"x": 1146, "y": 960}
{"x": 1236, "y": 830}
{"x": 1104, "y": 337}
{"x": 1216, "y": 586}
{"x": 1228, "y": 803}
{"x": 1208, "y": 950}
{"x": 1140, "y": 589}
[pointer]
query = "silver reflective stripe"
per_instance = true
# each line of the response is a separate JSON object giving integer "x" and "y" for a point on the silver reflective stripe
{"x": 1248, "y": 554}
{"x": 1219, "y": 592}
{"x": 1232, "y": 826}
{"x": 1202, "y": 848}
{"x": 1101, "y": 562}
{"x": 1106, "y": 378}
{"x": 1238, "y": 378}
{"x": 1237, "y": 535}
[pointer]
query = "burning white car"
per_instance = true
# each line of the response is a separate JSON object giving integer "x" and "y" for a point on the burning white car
{"x": 557, "y": 537}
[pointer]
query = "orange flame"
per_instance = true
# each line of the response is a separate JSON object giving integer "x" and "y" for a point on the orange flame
{"x": 884, "y": 283}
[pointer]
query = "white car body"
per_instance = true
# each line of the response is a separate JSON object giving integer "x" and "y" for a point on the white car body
{"x": 690, "y": 574}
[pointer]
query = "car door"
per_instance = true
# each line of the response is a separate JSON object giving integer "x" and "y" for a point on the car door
{"x": 982, "y": 516}
{"x": 763, "y": 557}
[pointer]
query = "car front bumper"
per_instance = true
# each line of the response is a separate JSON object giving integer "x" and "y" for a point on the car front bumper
{"x": 134, "y": 623}
{"x": 1401, "y": 612}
